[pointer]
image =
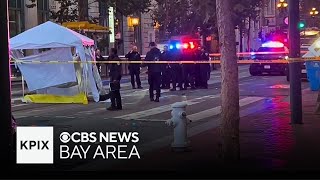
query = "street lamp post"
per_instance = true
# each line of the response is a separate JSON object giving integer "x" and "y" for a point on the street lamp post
{"x": 135, "y": 23}
{"x": 282, "y": 6}
{"x": 6, "y": 137}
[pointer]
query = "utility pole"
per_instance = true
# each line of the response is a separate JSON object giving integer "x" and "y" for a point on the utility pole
{"x": 295, "y": 67}
{"x": 6, "y": 136}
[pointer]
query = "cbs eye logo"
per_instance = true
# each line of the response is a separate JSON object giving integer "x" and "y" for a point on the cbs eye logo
{"x": 65, "y": 137}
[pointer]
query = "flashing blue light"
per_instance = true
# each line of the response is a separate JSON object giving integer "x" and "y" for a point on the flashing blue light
{"x": 178, "y": 46}
{"x": 171, "y": 47}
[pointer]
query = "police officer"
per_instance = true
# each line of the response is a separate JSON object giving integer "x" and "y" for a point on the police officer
{"x": 134, "y": 69}
{"x": 189, "y": 71}
{"x": 100, "y": 58}
{"x": 204, "y": 69}
{"x": 176, "y": 72}
{"x": 154, "y": 72}
{"x": 182, "y": 74}
{"x": 165, "y": 74}
{"x": 115, "y": 77}
{"x": 197, "y": 67}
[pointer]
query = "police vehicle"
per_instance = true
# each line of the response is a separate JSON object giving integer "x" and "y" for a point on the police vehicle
{"x": 185, "y": 46}
{"x": 304, "y": 50}
{"x": 272, "y": 50}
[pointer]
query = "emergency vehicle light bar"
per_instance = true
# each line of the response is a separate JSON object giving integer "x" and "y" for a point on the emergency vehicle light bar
{"x": 184, "y": 46}
{"x": 273, "y": 44}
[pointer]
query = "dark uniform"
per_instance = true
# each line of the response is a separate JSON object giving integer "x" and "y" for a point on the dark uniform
{"x": 115, "y": 77}
{"x": 204, "y": 70}
{"x": 165, "y": 72}
{"x": 99, "y": 58}
{"x": 134, "y": 69}
{"x": 197, "y": 68}
{"x": 154, "y": 73}
{"x": 189, "y": 71}
{"x": 176, "y": 71}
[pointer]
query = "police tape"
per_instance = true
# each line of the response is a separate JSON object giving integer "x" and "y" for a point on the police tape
{"x": 153, "y": 62}
{"x": 280, "y": 61}
{"x": 256, "y": 53}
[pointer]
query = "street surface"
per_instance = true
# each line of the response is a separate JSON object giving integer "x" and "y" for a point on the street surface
{"x": 139, "y": 114}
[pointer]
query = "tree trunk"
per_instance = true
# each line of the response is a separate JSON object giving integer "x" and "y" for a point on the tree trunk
{"x": 229, "y": 131}
{"x": 83, "y": 10}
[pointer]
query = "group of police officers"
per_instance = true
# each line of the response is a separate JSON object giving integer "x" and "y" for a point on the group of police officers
{"x": 160, "y": 76}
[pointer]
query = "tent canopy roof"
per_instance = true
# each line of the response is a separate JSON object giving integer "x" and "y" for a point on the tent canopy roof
{"x": 49, "y": 35}
{"x": 84, "y": 25}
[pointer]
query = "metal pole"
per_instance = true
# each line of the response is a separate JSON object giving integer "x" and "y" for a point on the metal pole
{"x": 6, "y": 136}
{"x": 295, "y": 67}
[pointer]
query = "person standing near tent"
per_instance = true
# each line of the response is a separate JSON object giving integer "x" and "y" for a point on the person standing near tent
{"x": 154, "y": 72}
{"x": 115, "y": 74}
{"x": 134, "y": 69}
{"x": 100, "y": 58}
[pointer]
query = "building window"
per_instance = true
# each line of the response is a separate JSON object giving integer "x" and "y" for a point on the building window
{"x": 16, "y": 21}
{"x": 271, "y": 8}
{"x": 43, "y": 11}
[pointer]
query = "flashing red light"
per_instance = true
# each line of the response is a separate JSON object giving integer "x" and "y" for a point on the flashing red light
{"x": 192, "y": 46}
{"x": 185, "y": 45}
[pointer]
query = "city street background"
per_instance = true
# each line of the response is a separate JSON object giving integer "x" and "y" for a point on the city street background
{"x": 265, "y": 130}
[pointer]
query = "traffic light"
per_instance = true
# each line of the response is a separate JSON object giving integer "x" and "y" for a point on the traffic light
{"x": 302, "y": 25}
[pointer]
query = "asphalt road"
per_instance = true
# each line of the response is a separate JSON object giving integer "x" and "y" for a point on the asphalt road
{"x": 147, "y": 118}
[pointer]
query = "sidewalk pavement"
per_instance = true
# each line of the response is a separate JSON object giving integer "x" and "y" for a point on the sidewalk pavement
{"x": 268, "y": 143}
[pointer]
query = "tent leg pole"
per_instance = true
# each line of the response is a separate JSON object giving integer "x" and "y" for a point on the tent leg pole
{"x": 22, "y": 82}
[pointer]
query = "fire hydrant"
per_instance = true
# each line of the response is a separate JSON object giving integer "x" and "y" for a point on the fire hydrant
{"x": 179, "y": 121}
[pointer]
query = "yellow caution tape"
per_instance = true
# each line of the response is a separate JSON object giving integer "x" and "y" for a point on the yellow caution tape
{"x": 290, "y": 60}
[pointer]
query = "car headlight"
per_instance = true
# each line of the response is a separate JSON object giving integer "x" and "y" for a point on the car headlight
{"x": 286, "y": 57}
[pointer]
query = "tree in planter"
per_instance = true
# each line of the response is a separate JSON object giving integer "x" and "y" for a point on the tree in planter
{"x": 229, "y": 130}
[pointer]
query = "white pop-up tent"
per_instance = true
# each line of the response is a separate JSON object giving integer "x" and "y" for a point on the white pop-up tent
{"x": 59, "y": 82}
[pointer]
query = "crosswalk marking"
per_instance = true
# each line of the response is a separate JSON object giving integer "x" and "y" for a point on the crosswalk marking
{"x": 162, "y": 109}
{"x": 217, "y": 110}
{"x": 213, "y": 111}
{"x": 16, "y": 99}
{"x": 92, "y": 111}
{"x": 19, "y": 105}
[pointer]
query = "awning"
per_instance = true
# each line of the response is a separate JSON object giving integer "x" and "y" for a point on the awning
{"x": 85, "y": 26}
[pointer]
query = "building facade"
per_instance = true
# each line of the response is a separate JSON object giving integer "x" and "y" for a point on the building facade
{"x": 22, "y": 16}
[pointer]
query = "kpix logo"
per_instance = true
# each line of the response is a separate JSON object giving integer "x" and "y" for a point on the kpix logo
{"x": 35, "y": 145}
